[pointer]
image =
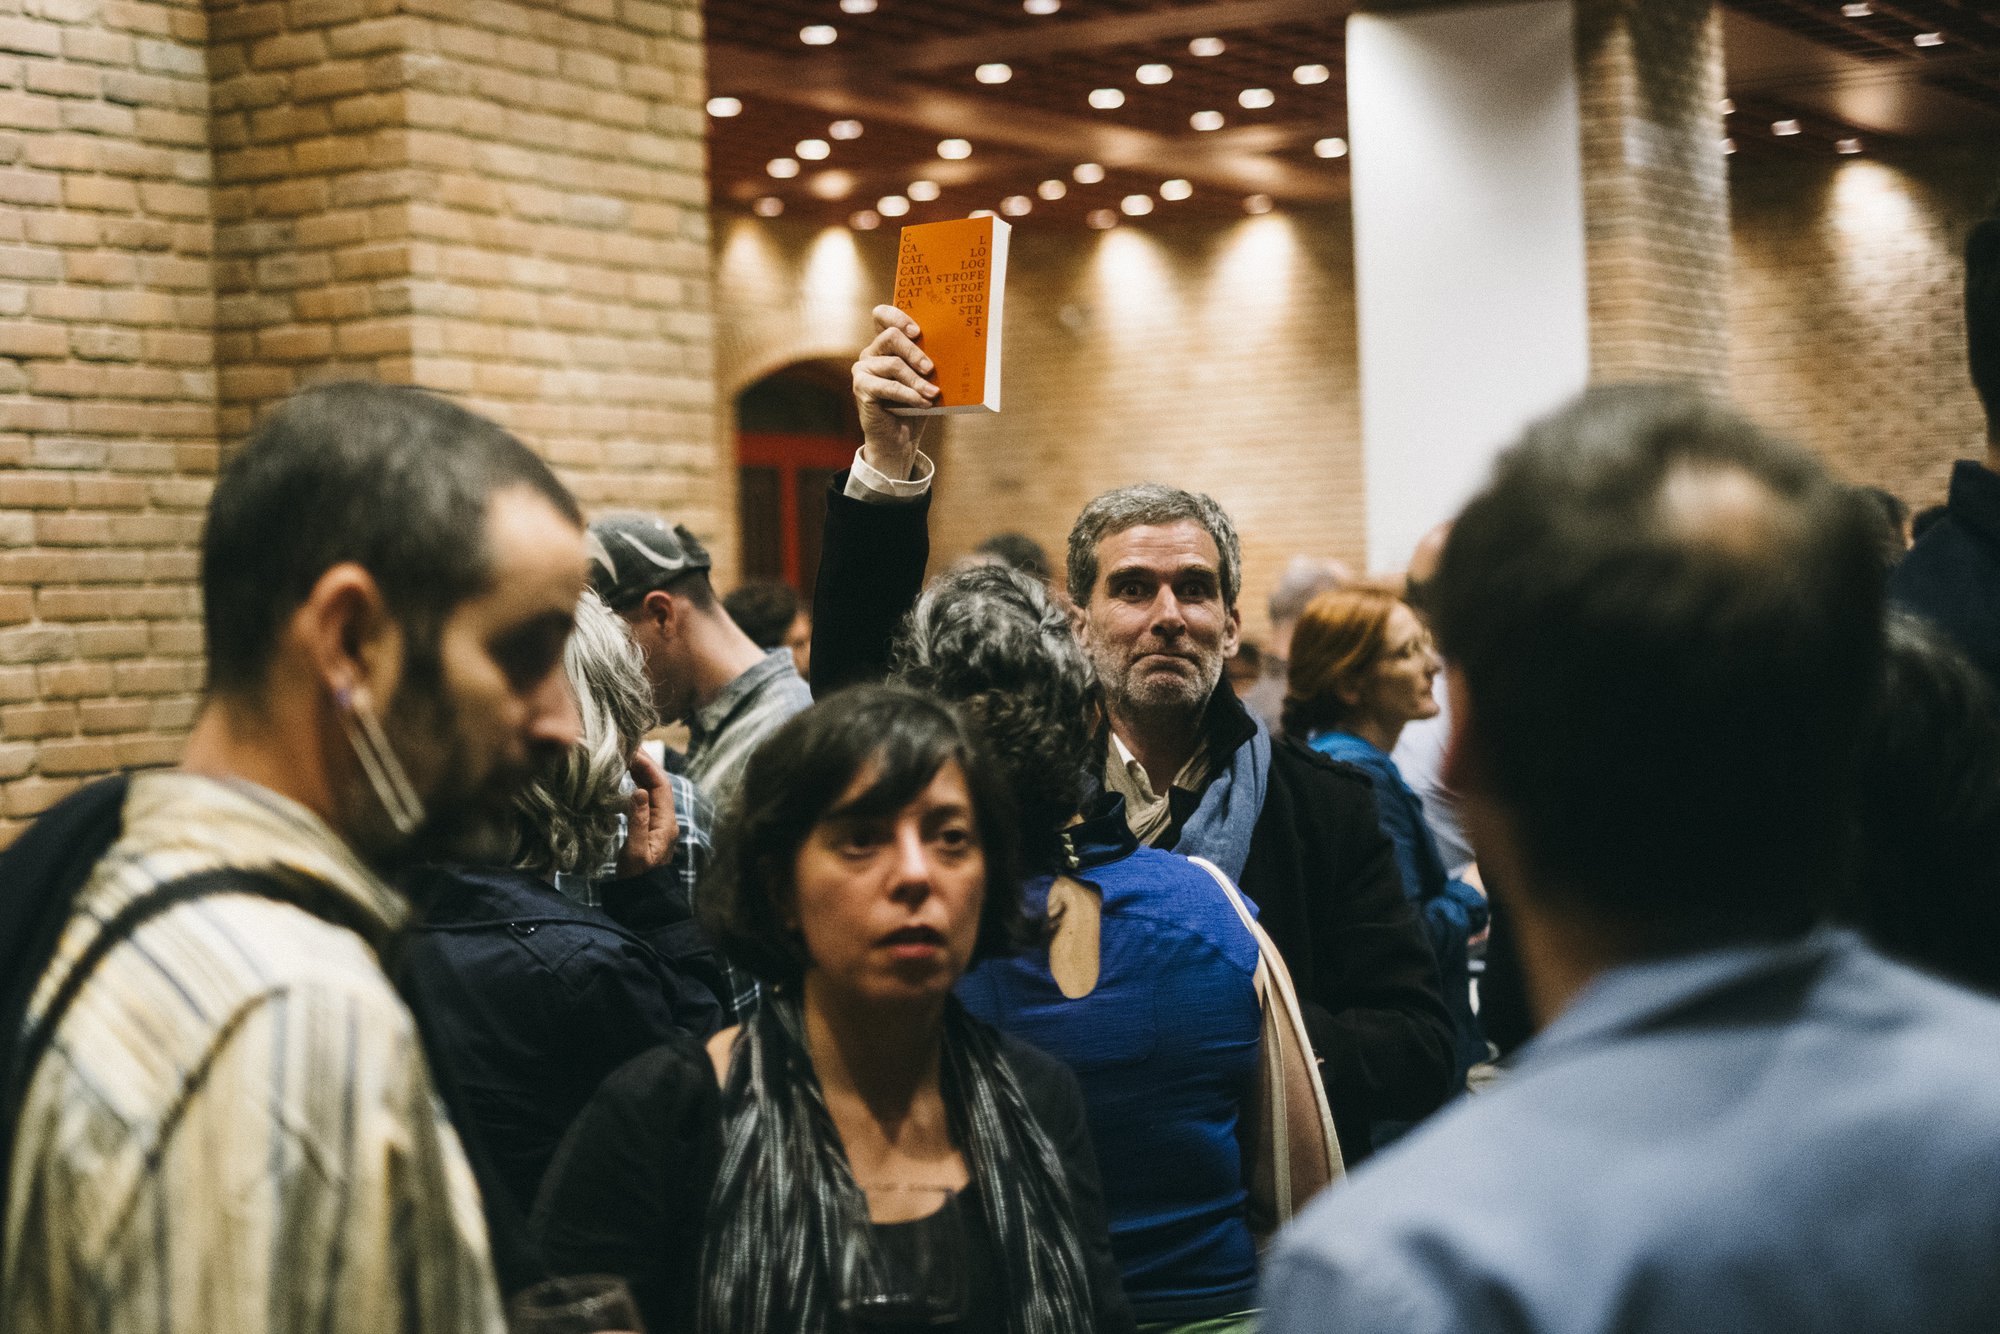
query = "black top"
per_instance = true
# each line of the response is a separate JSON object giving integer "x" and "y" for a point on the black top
{"x": 532, "y": 1000}
{"x": 1319, "y": 868}
{"x": 628, "y": 1191}
{"x": 1952, "y": 575}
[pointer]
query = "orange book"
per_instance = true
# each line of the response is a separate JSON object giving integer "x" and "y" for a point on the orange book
{"x": 950, "y": 277}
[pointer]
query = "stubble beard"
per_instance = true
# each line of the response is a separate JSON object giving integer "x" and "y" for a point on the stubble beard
{"x": 1130, "y": 693}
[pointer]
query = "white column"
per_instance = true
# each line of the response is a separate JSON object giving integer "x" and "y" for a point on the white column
{"x": 1469, "y": 247}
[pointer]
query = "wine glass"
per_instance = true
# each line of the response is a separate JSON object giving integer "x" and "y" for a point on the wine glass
{"x": 579, "y": 1304}
{"x": 907, "y": 1272}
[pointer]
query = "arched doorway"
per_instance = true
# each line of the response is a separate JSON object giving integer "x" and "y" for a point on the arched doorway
{"x": 795, "y": 429}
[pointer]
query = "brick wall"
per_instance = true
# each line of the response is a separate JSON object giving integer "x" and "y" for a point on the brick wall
{"x": 1656, "y": 204}
{"x": 205, "y": 207}
{"x": 1215, "y": 357}
{"x": 107, "y": 386}
{"x": 1847, "y": 324}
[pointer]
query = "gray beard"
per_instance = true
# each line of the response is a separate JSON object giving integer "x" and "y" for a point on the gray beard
{"x": 1160, "y": 695}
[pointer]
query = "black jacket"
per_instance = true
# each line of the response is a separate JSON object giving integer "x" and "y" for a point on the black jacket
{"x": 1952, "y": 576}
{"x": 533, "y": 1000}
{"x": 1319, "y": 868}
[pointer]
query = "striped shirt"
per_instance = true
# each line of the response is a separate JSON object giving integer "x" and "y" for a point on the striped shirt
{"x": 235, "y": 1128}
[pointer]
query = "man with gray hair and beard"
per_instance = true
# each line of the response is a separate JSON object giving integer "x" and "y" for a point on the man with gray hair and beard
{"x": 1155, "y": 573}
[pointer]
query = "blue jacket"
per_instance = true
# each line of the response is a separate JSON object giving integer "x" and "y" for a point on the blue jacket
{"x": 1166, "y": 1050}
{"x": 1453, "y": 911}
{"x": 1952, "y": 576}
{"x": 532, "y": 1000}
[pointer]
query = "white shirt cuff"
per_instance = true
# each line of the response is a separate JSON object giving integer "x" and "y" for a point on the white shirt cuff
{"x": 866, "y": 482}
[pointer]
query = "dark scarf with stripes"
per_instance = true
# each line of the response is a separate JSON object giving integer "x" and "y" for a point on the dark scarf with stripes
{"x": 786, "y": 1210}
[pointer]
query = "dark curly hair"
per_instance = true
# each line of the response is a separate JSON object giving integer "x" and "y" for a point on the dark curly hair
{"x": 794, "y": 779}
{"x": 993, "y": 642}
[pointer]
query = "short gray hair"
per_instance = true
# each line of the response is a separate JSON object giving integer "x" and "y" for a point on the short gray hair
{"x": 1149, "y": 503}
{"x": 995, "y": 643}
{"x": 566, "y": 819}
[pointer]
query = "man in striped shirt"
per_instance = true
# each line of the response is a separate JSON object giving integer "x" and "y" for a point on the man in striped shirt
{"x": 234, "y": 1127}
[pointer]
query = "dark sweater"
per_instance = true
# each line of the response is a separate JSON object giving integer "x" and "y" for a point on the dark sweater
{"x": 629, "y": 1189}
{"x": 1952, "y": 576}
{"x": 1321, "y": 872}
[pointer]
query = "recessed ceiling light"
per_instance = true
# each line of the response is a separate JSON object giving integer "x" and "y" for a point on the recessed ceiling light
{"x": 784, "y": 168}
{"x": 1175, "y": 189}
{"x": 1206, "y": 120}
{"x": 1087, "y": 173}
{"x": 1107, "y": 99}
{"x": 1207, "y": 46}
{"x": 1136, "y": 206}
{"x": 832, "y": 184}
{"x": 1258, "y": 204}
{"x": 1728, "y": 147}
{"x": 1308, "y": 75}
{"x": 1727, "y": 106}
{"x": 844, "y": 129}
{"x": 1930, "y": 39}
{"x": 1154, "y": 74}
{"x": 1052, "y": 189}
{"x": 819, "y": 34}
{"x": 724, "y": 107}
{"x": 892, "y": 206}
{"x": 982, "y": 213}
{"x": 1040, "y": 7}
{"x": 1015, "y": 206}
{"x": 857, "y": 6}
{"x": 867, "y": 220}
{"x": 1785, "y": 129}
{"x": 922, "y": 191}
{"x": 1103, "y": 219}
{"x": 1255, "y": 99}
{"x": 993, "y": 73}
{"x": 1331, "y": 147}
{"x": 1847, "y": 147}
{"x": 813, "y": 150}
{"x": 954, "y": 149}
{"x": 1857, "y": 11}
{"x": 770, "y": 206}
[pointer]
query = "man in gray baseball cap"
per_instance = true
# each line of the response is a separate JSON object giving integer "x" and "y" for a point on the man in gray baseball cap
{"x": 704, "y": 670}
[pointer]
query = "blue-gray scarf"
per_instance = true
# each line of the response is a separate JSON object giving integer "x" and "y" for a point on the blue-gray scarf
{"x": 1219, "y": 830}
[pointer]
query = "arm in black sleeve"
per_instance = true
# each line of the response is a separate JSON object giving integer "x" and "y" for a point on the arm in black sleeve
{"x": 1357, "y": 951}
{"x": 871, "y": 568}
{"x": 1057, "y": 1101}
{"x": 628, "y": 1191}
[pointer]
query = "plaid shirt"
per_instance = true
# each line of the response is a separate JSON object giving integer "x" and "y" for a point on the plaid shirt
{"x": 235, "y": 1129}
{"x": 692, "y": 849}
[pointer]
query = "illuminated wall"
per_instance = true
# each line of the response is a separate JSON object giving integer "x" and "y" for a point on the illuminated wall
{"x": 1847, "y": 309}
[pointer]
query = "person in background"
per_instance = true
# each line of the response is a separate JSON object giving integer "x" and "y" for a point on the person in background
{"x": 1017, "y": 551}
{"x": 1951, "y": 577}
{"x": 1894, "y": 524}
{"x": 1246, "y": 667}
{"x": 1922, "y": 521}
{"x": 1928, "y": 888}
{"x": 233, "y": 1126}
{"x": 1419, "y": 752}
{"x": 532, "y": 999}
{"x": 1363, "y": 667}
{"x": 1139, "y": 935}
{"x": 781, "y": 1178}
{"x": 1304, "y": 579}
{"x": 1664, "y": 633}
{"x": 771, "y": 614}
{"x": 704, "y": 670}
{"x": 1155, "y": 573}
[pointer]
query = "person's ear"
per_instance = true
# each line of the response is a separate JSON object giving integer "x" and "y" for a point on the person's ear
{"x": 345, "y": 629}
{"x": 1232, "y": 632}
{"x": 659, "y": 610}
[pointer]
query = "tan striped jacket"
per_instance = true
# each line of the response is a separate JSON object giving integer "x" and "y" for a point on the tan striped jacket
{"x": 235, "y": 1129}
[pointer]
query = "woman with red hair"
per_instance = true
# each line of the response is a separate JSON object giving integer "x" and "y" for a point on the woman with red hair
{"x": 1362, "y": 667}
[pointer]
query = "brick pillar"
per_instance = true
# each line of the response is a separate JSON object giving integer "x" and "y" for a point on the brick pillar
{"x": 1656, "y": 189}
{"x": 502, "y": 201}
{"x": 107, "y": 386}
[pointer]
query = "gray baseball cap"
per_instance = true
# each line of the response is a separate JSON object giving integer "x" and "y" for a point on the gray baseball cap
{"x": 633, "y": 554}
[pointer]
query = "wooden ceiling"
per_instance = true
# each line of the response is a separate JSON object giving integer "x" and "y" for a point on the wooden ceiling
{"x": 908, "y": 73}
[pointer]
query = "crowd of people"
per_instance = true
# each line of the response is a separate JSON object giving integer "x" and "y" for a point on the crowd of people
{"x": 1594, "y": 927}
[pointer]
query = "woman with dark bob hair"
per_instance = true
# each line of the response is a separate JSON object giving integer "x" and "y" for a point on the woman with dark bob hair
{"x": 862, "y": 1153}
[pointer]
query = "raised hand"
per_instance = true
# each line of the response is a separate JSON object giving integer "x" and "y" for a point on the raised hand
{"x": 651, "y": 827}
{"x": 890, "y": 373}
